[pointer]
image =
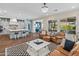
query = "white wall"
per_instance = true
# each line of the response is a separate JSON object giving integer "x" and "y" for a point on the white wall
{"x": 60, "y": 16}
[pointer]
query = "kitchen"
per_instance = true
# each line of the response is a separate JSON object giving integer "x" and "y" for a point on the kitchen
{"x": 15, "y": 28}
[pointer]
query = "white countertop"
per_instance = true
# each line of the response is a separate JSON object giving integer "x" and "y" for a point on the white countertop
{"x": 16, "y": 30}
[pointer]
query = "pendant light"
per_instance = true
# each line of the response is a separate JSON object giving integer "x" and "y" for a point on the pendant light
{"x": 44, "y": 8}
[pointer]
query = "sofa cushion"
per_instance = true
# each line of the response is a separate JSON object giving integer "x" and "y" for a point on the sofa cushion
{"x": 68, "y": 45}
{"x": 56, "y": 53}
{"x": 60, "y": 48}
{"x": 76, "y": 53}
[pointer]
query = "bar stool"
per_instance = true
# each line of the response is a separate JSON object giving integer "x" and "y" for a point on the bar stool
{"x": 12, "y": 35}
{"x": 20, "y": 35}
{"x": 16, "y": 35}
{"x": 24, "y": 34}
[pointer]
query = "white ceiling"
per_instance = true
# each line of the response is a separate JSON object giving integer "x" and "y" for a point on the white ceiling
{"x": 33, "y": 10}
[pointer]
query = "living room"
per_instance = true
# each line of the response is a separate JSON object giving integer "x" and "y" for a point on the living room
{"x": 35, "y": 32}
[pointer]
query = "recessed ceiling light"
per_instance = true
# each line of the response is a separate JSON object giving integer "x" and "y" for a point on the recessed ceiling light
{"x": 47, "y": 14}
{"x": 5, "y": 11}
{"x": 73, "y": 7}
{"x": 55, "y": 10}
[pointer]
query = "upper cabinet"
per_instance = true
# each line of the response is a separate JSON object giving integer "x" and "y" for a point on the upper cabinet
{"x": 4, "y": 19}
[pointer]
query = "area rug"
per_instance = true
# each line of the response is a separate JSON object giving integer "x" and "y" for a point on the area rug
{"x": 21, "y": 49}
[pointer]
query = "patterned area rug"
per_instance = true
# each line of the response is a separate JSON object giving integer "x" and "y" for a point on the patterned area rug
{"x": 20, "y": 50}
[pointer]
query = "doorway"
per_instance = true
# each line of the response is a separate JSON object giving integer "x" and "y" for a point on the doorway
{"x": 37, "y": 26}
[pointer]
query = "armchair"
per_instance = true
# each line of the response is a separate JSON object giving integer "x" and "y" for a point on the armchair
{"x": 60, "y": 51}
{"x": 76, "y": 53}
{"x": 53, "y": 39}
{"x": 46, "y": 37}
{"x": 42, "y": 33}
{"x": 62, "y": 34}
{"x": 58, "y": 37}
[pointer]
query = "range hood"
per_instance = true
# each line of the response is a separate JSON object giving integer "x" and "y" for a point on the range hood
{"x": 13, "y": 21}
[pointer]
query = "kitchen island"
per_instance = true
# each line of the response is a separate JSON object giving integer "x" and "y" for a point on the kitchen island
{"x": 18, "y": 33}
{"x": 17, "y": 30}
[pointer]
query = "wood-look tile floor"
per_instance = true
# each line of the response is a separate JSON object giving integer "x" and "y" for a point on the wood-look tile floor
{"x": 5, "y": 41}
